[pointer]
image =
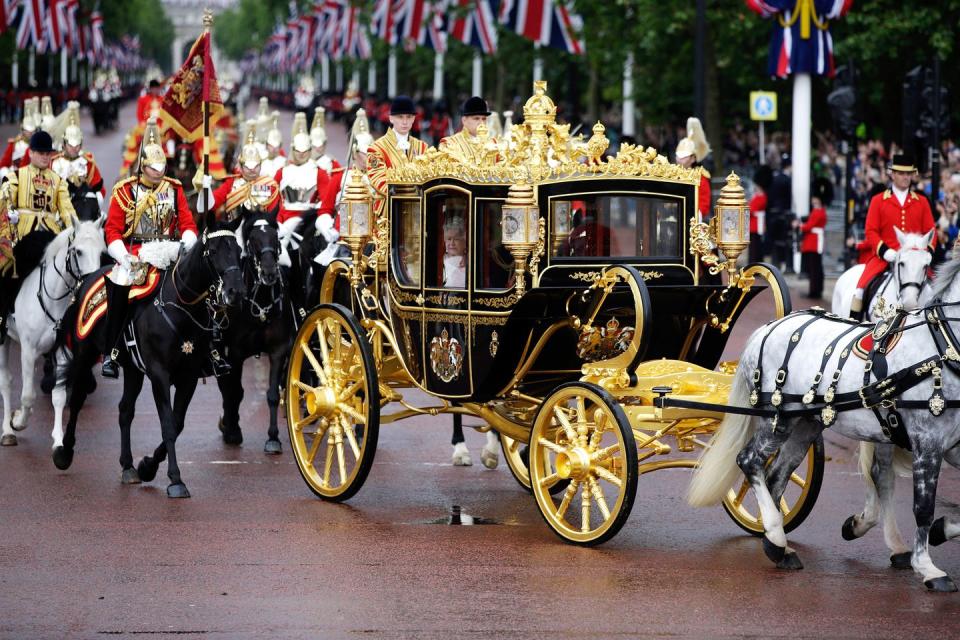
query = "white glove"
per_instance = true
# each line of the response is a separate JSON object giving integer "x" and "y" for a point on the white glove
{"x": 324, "y": 225}
{"x": 129, "y": 260}
{"x": 288, "y": 226}
{"x": 889, "y": 255}
{"x": 206, "y": 182}
{"x": 188, "y": 238}
{"x": 117, "y": 251}
{"x": 201, "y": 201}
{"x": 13, "y": 216}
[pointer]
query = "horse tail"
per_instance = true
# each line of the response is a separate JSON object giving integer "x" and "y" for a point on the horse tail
{"x": 717, "y": 468}
{"x": 902, "y": 461}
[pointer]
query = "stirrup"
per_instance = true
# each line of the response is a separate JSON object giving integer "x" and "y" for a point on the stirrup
{"x": 110, "y": 369}
{"x": 220, "y": 366}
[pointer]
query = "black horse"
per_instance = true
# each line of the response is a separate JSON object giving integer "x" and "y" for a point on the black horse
{"x": 264, "y": 324}
{"x": 85, "y": 202}
{"x": 173, "y": 328}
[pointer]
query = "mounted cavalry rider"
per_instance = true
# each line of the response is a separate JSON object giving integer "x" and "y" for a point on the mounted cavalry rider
{"x": 361, "y": 140}
{"x": 273, "y": 155}
{"x": 302, "y": 183}
{"x": 37, "y": 207}
{"x": 15, "y": 155}
{"x": 465, "y": 144}
{"x": 243, "y": 193}
{"x": 147, "y": 207}
{"x": 392, "y": 149}
{"x": 901, "y": 207}
{"x": 76, "y": 166}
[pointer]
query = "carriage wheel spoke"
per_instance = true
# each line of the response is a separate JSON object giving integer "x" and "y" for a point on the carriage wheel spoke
{"x": 322, "y": 330}
{"x": 599, "y": 498}
{"x": 567, "y": 498}
{"x": 359, "y": 418}
{"x": 603, "y": 454}
{"x": 543, "y": 442}
{"x": 328, "y": 463}
{"x": 741, "y": 493}
{"x": 565, "y": 423}
{"x": 585, "y": 501}
{"x": 798, "y": 480}
{"x": 547, "y": 481}
{"x": 784, "y": 507}
{"x": 338, "y": 345}
{"x": 350, "y": 391}
{"x": 341, "y": 459}
{"x": 351, "y": 438}
{"x": 300, "y": 424}
{"x": 313, "y": 362}
{"x": 606, "y": 475}
{"x": 314, "y": 447}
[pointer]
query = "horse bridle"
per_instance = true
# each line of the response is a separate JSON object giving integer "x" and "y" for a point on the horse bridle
{"x": 907, "y": 285}
{"x": 276, "y": 289}
{"x": 215, "y": 290}
{"x": 71, "y": 266}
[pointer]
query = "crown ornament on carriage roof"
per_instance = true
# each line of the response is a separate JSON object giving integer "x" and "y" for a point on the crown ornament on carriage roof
{"x": 540, "y": 149}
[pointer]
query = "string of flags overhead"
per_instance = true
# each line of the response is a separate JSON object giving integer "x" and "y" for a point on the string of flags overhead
{"x": 338, "y": 29}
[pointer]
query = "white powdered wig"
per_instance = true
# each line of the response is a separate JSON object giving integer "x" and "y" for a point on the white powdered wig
{"x": 160, "y": 253}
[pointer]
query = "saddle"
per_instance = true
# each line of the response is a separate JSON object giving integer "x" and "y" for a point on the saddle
{"x": 93, "y": 299}
{"x": 873, "y": 287}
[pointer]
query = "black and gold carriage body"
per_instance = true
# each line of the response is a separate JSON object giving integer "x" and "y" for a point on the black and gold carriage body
{"x": 543, "y": 288}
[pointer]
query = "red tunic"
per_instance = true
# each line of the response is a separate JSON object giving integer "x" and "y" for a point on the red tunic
{"x": 225, "y": 201}
{"x": 144, "y": 106}
{"x": 7, "y": 159}
{"x": 329, "y": 200}
{"x": 117, "y": 225}
{"x": 703, "y": 204}
{"x": 758, "y": 205}
{"x": 813, "y": 229}
{"x": 885, "y": 213}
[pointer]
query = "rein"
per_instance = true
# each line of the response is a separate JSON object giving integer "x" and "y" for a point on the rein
{"x": 274, "y": 291}
{"x": 72, "y": 268}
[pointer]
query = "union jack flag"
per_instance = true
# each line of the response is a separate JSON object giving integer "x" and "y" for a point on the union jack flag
{"x": 548, "y": 22}
{"x": 96, "y": 34}
{"x": 425, "y": 24}
{"x": 475, "y": 24}
{"x": 30, "y": 17}
{"x": 389, "y": 19}
{"x": 800, "y": 40}
{"x": 354, "y": 41}
{"x": 8, "y": 11}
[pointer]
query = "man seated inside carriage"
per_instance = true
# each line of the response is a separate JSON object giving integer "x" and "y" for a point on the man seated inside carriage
{"x": 36, "y": 206}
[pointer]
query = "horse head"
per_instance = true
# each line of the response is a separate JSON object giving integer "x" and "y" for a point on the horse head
{"x": 262, "y": 246}
{"x": 911, "y": 266}
{"x": 220, "y": 254}
{"x": 84, "y": 247}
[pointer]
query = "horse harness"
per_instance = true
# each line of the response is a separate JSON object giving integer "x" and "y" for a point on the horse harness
{"x": 72, "y": 268}
{"x": 258, "y": 311}
{"x": 880, "y": 396}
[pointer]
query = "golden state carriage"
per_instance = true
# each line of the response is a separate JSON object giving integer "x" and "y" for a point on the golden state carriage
{"x": 590, "y": 289}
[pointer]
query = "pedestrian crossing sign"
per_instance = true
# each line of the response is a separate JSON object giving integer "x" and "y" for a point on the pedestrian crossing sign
{"x": 763, "y": 105}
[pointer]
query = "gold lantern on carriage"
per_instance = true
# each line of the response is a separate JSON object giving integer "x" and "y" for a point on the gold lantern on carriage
{"x": 520, "y": 224}
{"x": 731, "y": 222}
{"x": 356, "y": 223}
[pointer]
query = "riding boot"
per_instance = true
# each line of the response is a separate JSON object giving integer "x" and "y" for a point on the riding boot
{"x": 856, "y": 309}
{"x": 116, "y": 320}
{"x": 218, "y": 355}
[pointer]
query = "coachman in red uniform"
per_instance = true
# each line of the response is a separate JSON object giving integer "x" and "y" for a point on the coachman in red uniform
{"x": 898, "y": 206}
{"x": 144, "y": 208}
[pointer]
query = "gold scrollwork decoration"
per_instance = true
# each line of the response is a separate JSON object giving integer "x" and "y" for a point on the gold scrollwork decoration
{"x": 500, "y": 303}
{"x": 446, "y": 298}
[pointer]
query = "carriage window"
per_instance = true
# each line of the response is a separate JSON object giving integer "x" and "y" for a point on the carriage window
{"x": 494, "y": 262}
{"x": 406, "y": 257}
{"x": 447, "y": 239}
{"x": 616, "y": 226}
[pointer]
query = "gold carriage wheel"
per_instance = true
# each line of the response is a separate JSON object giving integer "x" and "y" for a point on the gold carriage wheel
{"x": 337, "y": 271}
{"x": 795, "y": 505}
{"x": 516, "y": 454}
{"x": 582, "y": 435}
{"x": 333, "y": 403}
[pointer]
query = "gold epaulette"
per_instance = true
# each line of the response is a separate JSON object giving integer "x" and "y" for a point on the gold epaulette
{"x": 887, "y": 194}
{"x": 706, "y": 174}
{"x": 173, "y": 181}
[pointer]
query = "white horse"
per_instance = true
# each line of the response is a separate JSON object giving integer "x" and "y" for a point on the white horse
{"x": 927, "y": 381}
{"x": 44, "y": 296}
{"x": 904, "y": 281}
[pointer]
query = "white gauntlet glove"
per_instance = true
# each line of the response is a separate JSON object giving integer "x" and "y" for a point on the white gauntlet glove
{"x": 889, "y": 255}
{"x": 287, "y": 227}
{"x": 188, "y": 238}
{"x": 324, "y": 226}
{"x": 13, "y": 216}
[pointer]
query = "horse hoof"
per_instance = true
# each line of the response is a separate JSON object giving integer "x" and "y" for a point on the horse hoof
{"x": 129, "y": 476}
{"x": 273, "y": 447}
{"x": 774, "y": 552}
{"x": 937, "y": 534}
{"x": 8, "y": 440}
{"x": 847, "y": 530}
{"x": 790, "y": 562}
{"x": 490, "y": 459}
{"x": 178, "y": 490}
{"x": 942, "y": 584}
{"x": 901, "y": 560}
{"x": 62, "y": 458}
{"x": 233, "y": 436}
{"x": 15, "y": 421}
{"x": 147, "y": 470}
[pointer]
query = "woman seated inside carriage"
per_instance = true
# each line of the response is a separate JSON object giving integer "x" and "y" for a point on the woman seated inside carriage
{"x": 455, "y": 253}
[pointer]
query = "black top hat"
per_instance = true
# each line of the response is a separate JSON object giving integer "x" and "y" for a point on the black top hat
{"x": 402, "y": 105}
{"x": 902, "y": 162}
{"x": 475, "y": 106}
{"x": 41, "y": 142}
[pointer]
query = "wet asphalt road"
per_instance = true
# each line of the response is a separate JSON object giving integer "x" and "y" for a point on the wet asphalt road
{"x": 253, "y": 554}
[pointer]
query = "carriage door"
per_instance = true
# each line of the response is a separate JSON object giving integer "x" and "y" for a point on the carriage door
{"x": 446, "y": 274}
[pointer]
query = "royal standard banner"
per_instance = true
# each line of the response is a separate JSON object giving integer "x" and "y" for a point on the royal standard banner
{"x": 192, "y": 86}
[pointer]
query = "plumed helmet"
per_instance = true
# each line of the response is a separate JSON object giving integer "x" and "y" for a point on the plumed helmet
{"x": 47, "y": 119}
{"x": 300, "y": 137}
{"x": 151, "y": 150}
{"x": 72, "y": 134}
{"x": 361, "y": 132}
{"x": 274, "y": 137}
{"x": 30, "y": 115}
{"x": 318, "y": 132}
{"x": 695, "y": 144}
{"x": 493, "y": 124}
{"x": 250, "y": 153}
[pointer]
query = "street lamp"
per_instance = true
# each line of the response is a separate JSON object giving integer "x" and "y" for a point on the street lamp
{"x": 520, "y": 224}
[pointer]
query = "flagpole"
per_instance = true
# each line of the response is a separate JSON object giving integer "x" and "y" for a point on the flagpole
{"x": 207, "y": 24}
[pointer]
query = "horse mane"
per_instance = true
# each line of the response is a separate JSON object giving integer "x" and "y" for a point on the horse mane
{"x": 58, "y": 244}
{"x": 946, "y": 273}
